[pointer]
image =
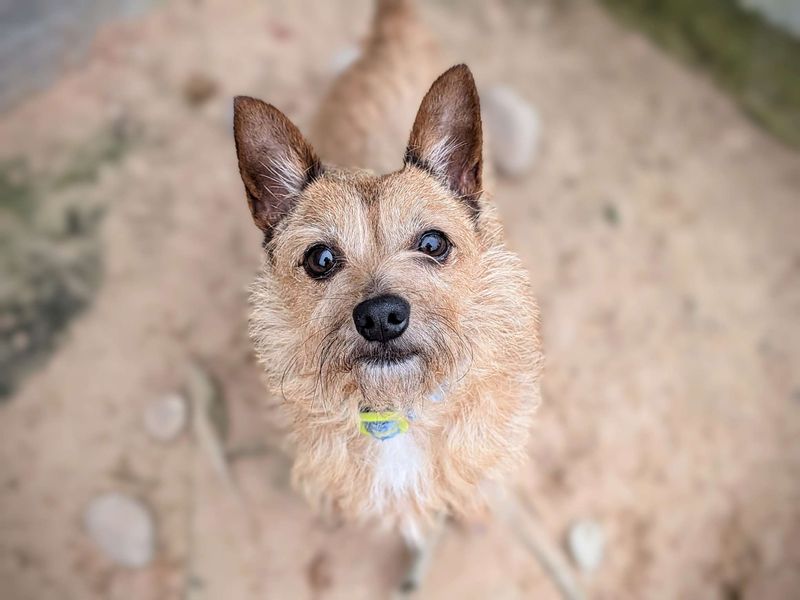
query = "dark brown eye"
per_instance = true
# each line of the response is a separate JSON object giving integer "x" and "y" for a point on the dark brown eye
{"x": 435, "y": 244}
{"x": 319, "y": 261}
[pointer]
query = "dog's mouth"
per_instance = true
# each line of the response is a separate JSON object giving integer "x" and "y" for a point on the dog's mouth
{"x": 386, "y": 357}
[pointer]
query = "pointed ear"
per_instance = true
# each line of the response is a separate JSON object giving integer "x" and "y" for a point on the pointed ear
{"x": 446, "y": 139}
{"x": 275, "y": 161}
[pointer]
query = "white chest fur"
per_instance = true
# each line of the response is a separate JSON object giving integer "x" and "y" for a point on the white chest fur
{"x": 399, "y": 468}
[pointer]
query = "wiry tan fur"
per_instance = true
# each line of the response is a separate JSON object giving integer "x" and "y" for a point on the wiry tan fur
{"x": 473, "y": 386}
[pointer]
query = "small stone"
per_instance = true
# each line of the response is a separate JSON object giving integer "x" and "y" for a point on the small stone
{"x": 343, "y": 59}
{"x": 513, "y": 128}
{"x": 165, "y": 418}
{"x": 586, "y": 541}
{"x": 122, "y": 528}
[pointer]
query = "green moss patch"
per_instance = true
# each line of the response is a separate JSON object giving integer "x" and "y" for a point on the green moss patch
{"x": 50, "y": 251}
{"x": 755, "y": 61}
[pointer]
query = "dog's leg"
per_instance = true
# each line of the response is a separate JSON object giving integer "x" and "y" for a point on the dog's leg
{"x": 421, "y": 550}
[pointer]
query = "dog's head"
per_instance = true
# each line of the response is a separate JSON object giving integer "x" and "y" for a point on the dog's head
{"x": 371, "y": 287}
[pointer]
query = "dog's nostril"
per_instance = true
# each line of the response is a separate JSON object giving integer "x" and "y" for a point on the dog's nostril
{"x": 382, "y": 318}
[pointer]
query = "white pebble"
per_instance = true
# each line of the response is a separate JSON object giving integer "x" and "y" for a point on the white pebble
{"x": 586, "y": 541}
{"x": 122, "y": 528}
{"x": 165, "y": 418}
{"x": 343, "y": 59}
{"x": 513, "y": 128}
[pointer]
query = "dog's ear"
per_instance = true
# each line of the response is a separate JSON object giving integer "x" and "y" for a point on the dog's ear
{"x": 275, "y": 161}
{"x": 446, "y": 139}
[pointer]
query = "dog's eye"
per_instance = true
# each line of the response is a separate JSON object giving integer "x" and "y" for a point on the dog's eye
{"x": 435, "y": 244}
{"x": 319, "y": 261}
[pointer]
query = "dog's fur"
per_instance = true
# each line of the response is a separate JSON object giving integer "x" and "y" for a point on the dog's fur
{"x": 472, "y": 386}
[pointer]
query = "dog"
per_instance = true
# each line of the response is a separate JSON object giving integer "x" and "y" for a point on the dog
{"x": 389, "y": 315}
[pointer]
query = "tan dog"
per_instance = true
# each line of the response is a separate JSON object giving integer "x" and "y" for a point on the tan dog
{"x": 389, "y": 315}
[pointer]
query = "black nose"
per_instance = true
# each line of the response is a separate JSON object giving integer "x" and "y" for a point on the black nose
{"x": 382, "y": 318}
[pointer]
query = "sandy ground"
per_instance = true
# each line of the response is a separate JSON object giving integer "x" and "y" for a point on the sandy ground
{"x": 660, "y": 229}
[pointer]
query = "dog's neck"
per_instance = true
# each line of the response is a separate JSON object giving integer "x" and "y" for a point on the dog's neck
{"x": 386, "y": 425}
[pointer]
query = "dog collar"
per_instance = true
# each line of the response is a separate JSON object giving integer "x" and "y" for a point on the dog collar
{"x": 386, "y": 425}
{"x": 382, "y": 425}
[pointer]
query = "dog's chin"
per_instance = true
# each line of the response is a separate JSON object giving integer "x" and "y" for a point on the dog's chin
{"x": 389, "y": 376}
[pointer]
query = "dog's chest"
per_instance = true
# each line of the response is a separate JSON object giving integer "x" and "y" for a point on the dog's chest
{"x": 399, "y": 467}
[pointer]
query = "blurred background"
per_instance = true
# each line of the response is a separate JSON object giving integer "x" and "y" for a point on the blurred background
{"x": 649, "y": 178}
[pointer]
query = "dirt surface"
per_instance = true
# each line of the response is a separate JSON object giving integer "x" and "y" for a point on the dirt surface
{"x": 660, "y": 229}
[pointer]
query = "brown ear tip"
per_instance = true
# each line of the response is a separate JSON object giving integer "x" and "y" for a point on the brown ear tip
{"x": 461, "y": 70}
{"x": 248, "y": 111}
{"x": 244, "y": 102}
{"x": 456, "y": 77}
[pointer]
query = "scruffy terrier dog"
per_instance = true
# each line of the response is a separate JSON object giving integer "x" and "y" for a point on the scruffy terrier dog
{"x": 389, "y": 315}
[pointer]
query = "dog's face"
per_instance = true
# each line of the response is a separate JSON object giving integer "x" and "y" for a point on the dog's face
{"x": 374, "y": 272}
{"x": 371, "y": 282}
